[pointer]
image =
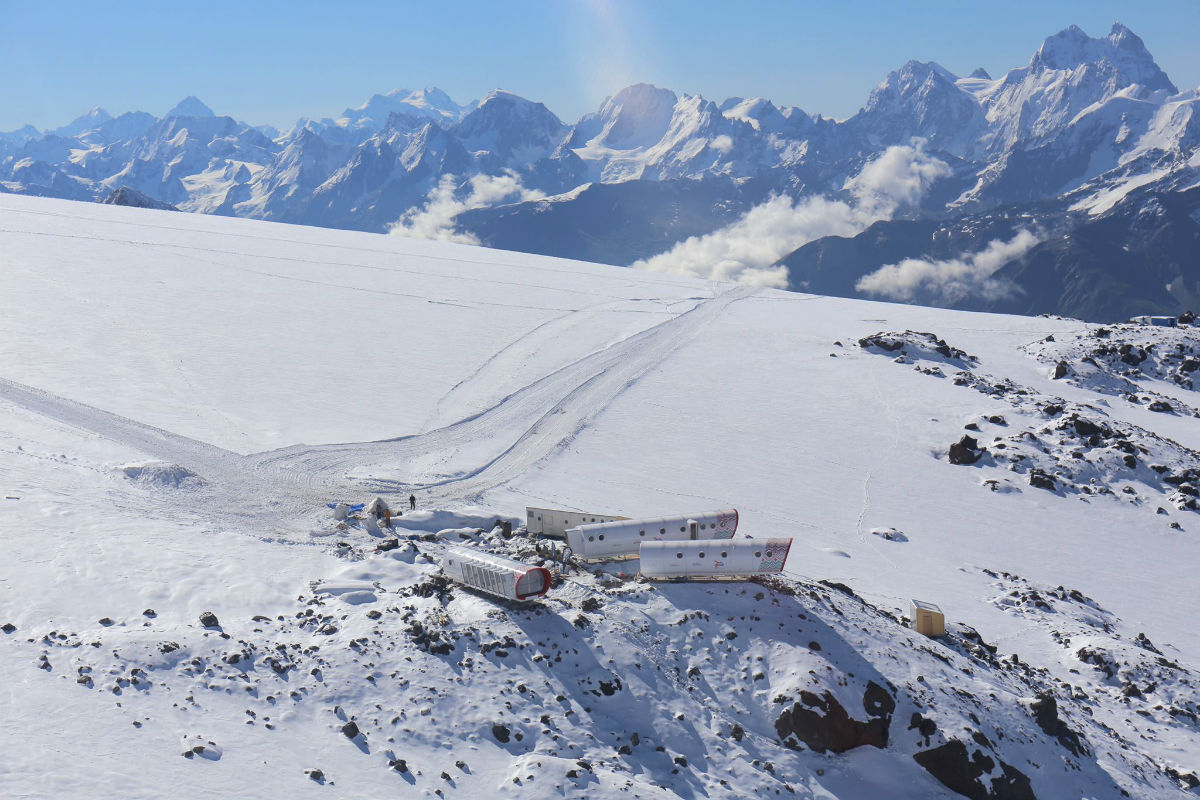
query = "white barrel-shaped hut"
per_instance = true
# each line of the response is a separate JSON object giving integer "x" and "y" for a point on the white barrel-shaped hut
{"x": 735, "y": 558}
{"x": 496, "y": 575}
{"x": 622, "y": 539}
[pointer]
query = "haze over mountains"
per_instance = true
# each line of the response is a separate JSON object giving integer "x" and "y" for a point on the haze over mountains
{"x": 1068, "y": 185}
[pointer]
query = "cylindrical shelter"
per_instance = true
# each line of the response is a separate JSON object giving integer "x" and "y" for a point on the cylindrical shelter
{"x": 714, "y": 558}
{"x": 496, "y": 575}
{"x": 621, "y": 539}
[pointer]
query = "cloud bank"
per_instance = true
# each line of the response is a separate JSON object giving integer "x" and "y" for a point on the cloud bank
{"x": 435, "y": 220}
{"x": 745, "y": 250}
{"x": 953, "y": 279}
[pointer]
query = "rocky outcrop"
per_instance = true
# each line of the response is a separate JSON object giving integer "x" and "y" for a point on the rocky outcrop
{"x": 821, "y": 723}
{"x": 966, "y": 773}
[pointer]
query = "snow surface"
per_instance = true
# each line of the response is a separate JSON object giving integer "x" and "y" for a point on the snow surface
{"x": 182, "y": 395}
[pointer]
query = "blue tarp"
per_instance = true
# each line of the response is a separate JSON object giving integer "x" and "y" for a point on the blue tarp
{"x": 353, "y": 508}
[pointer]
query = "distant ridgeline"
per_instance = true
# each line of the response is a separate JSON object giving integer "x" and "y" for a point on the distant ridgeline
{"x": 1064, "y": 186}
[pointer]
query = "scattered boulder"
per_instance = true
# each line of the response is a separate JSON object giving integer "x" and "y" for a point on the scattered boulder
{"x": 1041, "y": 480}
{"x": 1061, "y": 370}
{"x": 350, "y": 729}
{"x": 1045, "y": 714}
{"x": 501, "y": 732}
{"x": 8, "y": 627}
{"x": 966, "y": 451}
{"x": 209, "y": 620}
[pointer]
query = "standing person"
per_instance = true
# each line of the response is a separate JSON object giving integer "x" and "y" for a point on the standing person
{"x": 412, "y": 502}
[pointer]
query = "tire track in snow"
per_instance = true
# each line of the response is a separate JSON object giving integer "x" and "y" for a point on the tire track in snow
{"x": 294, "y": 479}
{"x": 560, "y": 404}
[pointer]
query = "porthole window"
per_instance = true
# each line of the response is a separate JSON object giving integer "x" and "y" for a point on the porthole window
{"x": 641, "y": 533}
{"x": 702, "y": 554}
{"x": 758, "y": 553}
{"x": 591, "y": 538}
{"x": 682, "y": 528}
{"x": 724, "y": 554}
{"x": 662, "y": 530}
{"x": 602, "y": 537}
{"x": 703, "y": 526}
{"x": 679, "y": 555}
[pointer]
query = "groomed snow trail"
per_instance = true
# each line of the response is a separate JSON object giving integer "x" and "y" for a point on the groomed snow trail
{"x": 548, "y": 413}
{"x": 481, "y": 452}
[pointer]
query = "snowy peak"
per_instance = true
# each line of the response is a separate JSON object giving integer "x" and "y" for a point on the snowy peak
{"x": 190, "y": 106}
{"x": 510, "y": 127}
{"x": 636, "y": 116}
{"x": 1122, "y": 53}
{"x": 429, "y": 103}
{"x": 83, "y": 123}
{"x": 920, "y": 99}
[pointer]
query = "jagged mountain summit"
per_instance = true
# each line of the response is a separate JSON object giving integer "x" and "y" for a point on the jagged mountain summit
{"x": 1089, "y": 127}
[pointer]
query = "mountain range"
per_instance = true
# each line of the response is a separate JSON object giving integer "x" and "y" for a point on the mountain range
{"x": 1064, "y": 186}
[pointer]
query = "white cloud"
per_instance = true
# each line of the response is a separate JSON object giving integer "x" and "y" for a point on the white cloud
{"x": 722, "y": 144}
{"x": 952, "y": 279}
{"x": 435, "y": 220}
{"x": 745, "y": 250}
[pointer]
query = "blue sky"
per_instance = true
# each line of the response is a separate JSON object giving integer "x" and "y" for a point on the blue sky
{"x": 272, "y": 62}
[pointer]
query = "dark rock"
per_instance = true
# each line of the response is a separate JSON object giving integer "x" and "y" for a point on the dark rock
{"x": 501, "y": 732}
{"x": 387, "y": 544}
{"x": 923, "y": 725}
{"x": 168, "y": 647}
{"x": 1061, "y": 370}
{"x": 1161, "y": 406}
{"x": 209, "y": 620}
{"x": 961, "y": 772}
{"x": 149, "y": 612}
{"x": 965, "y": 451}
{"x": 1045, "y": 714}
{"x": 1187, "y": 318}
{"x": 882, "y": 342}
{"x": 737, "y": 732}
{"x": 591, "y": 604}
{"x": 316, "y": 775}
{"x": 374, "y": 613}
{"x": 823, "y": 725}
{"x": 1052, "y": 410}
{"x": 1085, "y": 427}
{"x": 350, "y": 729}
{"x": 1040, "y": 480}
{"x": 8, "y": 627}
{"x": 105, "y": 621}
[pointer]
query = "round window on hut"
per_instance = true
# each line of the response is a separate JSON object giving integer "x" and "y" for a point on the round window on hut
{"x": 702, "y": 554}
{"x": 641, "y": 533}
{"x": 758, "y": 553}
{"x": 679, "y": 555}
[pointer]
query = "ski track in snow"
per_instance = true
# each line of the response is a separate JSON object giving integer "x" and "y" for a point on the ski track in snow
{"x": 295, "y": 479}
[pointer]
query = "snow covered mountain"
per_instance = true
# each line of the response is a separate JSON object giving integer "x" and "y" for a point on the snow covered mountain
{"x": 183, "y": 394}
{"x": 1087, "y": 128}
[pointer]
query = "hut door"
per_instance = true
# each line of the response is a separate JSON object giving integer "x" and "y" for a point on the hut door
{"x": 693, "y": 529}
